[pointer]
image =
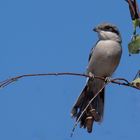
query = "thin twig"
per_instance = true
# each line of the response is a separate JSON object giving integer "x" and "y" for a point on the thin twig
{"x": 124, "y": 82}
{"x": 119, "y": 81}
{"x": 137, "y": 75}
{"x": 13, "y": 79}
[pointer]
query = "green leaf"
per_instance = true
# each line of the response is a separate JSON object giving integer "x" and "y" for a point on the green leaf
{"x": 134, "y": 45}
{"x": 136, "y": 23}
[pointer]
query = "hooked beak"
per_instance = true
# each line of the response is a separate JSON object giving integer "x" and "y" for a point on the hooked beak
{"x": 95, "y": 29}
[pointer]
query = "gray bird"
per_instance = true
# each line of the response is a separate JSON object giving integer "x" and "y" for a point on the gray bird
{"x": 103, "y": 61}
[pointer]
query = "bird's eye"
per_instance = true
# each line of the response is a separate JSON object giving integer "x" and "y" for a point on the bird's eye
{"x": 107, "y": 27}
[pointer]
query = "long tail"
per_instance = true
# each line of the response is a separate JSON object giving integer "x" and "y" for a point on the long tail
{"x": 95, "y": 111}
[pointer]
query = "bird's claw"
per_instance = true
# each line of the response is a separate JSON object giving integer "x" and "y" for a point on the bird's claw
{"x": 91, "y": 76}
{"x": 107, "y": 79}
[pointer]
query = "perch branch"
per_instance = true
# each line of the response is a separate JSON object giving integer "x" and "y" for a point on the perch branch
{"x": 119, "y": 81}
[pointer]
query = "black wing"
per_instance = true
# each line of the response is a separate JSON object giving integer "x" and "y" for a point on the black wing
{"x": 91, "y": 51}
{"x": 90, "y": 54}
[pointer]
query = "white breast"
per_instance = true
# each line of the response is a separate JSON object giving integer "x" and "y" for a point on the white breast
{"x": 105, "y": 58}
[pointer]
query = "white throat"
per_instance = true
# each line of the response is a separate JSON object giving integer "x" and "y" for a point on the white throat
{"x": 106, "y": 35}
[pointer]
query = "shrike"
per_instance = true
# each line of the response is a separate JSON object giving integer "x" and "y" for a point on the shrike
{"x": 103, "y": 61}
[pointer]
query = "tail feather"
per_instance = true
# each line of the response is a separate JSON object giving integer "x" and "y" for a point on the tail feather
{"x": 79, "y": 103}
{"x": 93, "y": 113}
{"x": 89, "y": 124}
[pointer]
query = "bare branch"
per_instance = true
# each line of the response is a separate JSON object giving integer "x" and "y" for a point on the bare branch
{"x": 119, "y": 81}
{"x": 137, "y": 75}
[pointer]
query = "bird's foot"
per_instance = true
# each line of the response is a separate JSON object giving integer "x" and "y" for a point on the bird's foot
{"x": 107, "y": 79}
{"x": 91, "y": 76}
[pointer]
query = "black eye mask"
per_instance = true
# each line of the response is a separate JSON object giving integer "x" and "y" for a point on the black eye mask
{"x": 111, "y": 29}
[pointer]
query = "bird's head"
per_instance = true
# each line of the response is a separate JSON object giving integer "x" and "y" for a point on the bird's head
{"x": 107, "y": 31}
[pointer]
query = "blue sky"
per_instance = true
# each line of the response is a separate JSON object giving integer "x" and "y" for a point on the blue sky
{"x": 40, "y": 36}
